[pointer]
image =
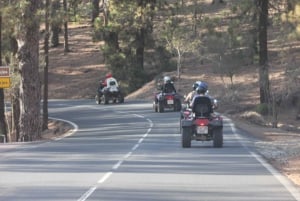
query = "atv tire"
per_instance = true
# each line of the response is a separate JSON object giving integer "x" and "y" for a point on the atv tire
{"x": 105, "y": 99}
{"x": 186, "y": 137}
{"x": 160, "y": 107}
{"x": 98, "y": 99}
{"x": 155, "y": 107}
{"x": 177, "y": 106}
{"x": 218, "y": 138}
{"x": 121, "y": 100}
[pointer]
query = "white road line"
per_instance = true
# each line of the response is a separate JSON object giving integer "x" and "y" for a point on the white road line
{"x": 135, "y": 147}
{"x": 87, "y": 194}
{"x": 116, "y": 166}
{"x": 69, "y": 133}
{"x": 128, "y": 155}
{"x": 137, "y": 115}
{"x": 104, "y": 178}
{"x": 141, "y": 140}
{"x": 281, "y": 178}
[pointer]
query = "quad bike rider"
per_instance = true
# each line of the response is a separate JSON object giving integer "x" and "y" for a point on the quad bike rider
{"x": 188, "y": 99}
{"x": 109, "y": 90}
{"x": 167, "y": 97}
{"x": 199, "y": 122}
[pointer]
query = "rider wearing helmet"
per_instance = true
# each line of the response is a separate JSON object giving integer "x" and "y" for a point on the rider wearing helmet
{"x": 168, "y": 86}
{"x": 107, "y": 76}
{"x": 191, "y": 94}
{"x": 200, "y": 91}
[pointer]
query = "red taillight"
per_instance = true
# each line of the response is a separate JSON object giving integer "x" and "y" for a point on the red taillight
{"x": 201, "y": 122}
{"x": 169, "y": 97}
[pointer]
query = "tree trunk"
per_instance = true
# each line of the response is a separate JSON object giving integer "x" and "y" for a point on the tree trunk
{"x": 55, "y": 23}
{"x": 263, "y": 51}
{"x": 253, "y": 32}
{"x": 30, "y": 86}
{"x": 178, "y": 63}
{"x": 140, "y": 41}
{"x": 96, "y": 10}
{"x": 291, "y": 5}
{"x": 3, "y": 130}
{"x": 46, "y": 50}
{"x": 105, "y": 11}
{"x": 15, "y": 119}
{"x": 66, "y": 18}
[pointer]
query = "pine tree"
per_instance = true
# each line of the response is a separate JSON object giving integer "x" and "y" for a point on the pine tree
{"x": 28, "y": 59}
{"x": 263, "y": 51}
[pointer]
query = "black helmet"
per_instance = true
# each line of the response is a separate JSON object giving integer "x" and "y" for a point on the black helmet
{"x": 202, "y": 88}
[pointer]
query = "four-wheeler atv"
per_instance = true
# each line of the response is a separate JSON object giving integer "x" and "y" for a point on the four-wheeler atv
{"x": 166, "y": 100}
{"x": 109, "y": 93}
{"x": 200, "y": 123}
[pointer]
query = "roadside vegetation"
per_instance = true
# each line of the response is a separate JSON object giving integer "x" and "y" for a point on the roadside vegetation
{"x": 139, "y": 40}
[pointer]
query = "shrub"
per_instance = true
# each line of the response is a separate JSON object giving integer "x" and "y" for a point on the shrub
{"x": 262, "y": 109}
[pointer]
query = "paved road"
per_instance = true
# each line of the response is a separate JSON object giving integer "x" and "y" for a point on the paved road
{"x": 130, "y": 153}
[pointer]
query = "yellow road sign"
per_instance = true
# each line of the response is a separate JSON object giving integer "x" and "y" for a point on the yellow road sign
{"x": 4, "y": 82}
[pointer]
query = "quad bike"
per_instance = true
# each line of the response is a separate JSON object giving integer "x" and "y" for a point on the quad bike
{"x": 200, "y": 123}
{"x": 166, "y": 100}
{"x": 109, "y": 93}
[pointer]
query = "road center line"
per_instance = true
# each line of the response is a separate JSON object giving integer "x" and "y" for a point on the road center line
{"x": 104, "y": 178}
{"x": 87, "y": 194}
{"x": 135, "y": 147}
{"x": 116, "y": 166}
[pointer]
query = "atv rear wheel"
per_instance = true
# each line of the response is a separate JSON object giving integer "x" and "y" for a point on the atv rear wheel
{"x": 105, "y": 99}
{"x": 160, "y": 107}
{"x": 98, "y": 99}
{"x": 154, "y": 106}
{"x": 186, "y": 137}
{"x": 218, "y": 137}
{"x": 121, "y": 100}
{"x": 177, "y": 106}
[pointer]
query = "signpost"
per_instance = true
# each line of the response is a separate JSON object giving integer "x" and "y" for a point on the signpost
{"x": 4, "y": 83}
{"x": 4, "y": 77}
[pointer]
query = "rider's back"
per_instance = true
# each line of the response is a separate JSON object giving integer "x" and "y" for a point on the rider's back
{"x": 202, "y": 106}
{"x": 169, "y": 88}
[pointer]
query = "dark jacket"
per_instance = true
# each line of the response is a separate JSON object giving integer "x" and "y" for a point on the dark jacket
{"x": 168, "y": 88}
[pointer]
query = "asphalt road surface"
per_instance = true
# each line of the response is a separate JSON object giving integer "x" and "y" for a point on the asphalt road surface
{"x": 127, "y": 152}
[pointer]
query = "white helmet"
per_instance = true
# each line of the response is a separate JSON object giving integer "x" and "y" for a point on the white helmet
{"x": 167, "y": 79}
